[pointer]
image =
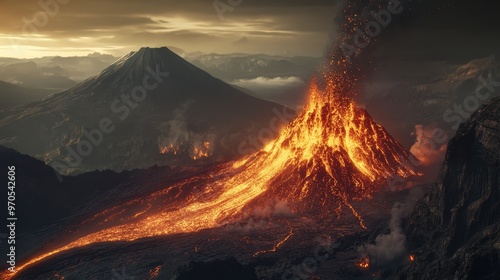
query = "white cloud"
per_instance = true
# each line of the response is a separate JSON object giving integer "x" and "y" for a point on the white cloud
{"x": 269, "y": 83}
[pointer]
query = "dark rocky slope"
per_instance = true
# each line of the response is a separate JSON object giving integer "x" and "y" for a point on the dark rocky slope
{"x": 455, "y": 231}
{"x": 46, "y": 204}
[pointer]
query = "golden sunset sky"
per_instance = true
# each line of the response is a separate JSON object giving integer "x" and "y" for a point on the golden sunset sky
{"x": 35, "y": 28}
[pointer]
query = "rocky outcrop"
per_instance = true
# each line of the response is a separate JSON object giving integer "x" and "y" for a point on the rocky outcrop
{"x": 455, "y": 231}
{"x": 43, "y": 196}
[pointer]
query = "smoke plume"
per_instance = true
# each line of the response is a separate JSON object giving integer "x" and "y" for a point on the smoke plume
{"x": 389, "y": 247}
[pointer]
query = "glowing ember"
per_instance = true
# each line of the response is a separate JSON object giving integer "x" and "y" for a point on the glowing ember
{"x": 412, "y": 258}
{"x": 153, "y": 273}
{"x": 169, "y": 149}
{"x": 201, "y": 151}
{"x": 363, "y": 262}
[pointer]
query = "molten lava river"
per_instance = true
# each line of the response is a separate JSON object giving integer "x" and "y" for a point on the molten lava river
{"x": 333, "y": 153}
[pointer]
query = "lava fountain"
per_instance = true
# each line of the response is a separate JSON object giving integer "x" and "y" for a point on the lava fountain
{"x": 333, "y": 153}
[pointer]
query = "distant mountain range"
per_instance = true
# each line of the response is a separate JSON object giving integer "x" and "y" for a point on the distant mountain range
{"x": 248, "y": 66}
{"x": 149, "y": 107}
{"x": 53, "y": 73}
{"x": 422, "y": 104}
{"x": 401, "y": 98}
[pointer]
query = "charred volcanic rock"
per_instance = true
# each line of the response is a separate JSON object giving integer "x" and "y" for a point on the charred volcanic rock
{"x": 455, "y": 231}
{"x": 215, "y": 270}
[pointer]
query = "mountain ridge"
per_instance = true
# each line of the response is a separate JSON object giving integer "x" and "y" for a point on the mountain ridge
{"x": 155, "y": 100}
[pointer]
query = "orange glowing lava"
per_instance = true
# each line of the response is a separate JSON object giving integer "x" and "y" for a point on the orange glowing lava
{"x": 363, "y": 262}
{"x": 276, "y": 247}
{"x": 201, "y": 151}
{"x": 169, "y": 149}
{"x": 153, "y": 273}
{"x": 332, "y": 154}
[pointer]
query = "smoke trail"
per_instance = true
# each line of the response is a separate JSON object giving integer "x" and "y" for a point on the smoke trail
{"x": 389, "y": 247}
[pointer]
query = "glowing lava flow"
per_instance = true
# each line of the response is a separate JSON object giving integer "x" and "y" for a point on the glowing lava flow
{"x": 331, "y": 155}
{"x": 276, "y": 247}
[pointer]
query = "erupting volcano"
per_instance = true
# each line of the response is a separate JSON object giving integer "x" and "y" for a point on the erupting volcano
{"x": 332, "y": 154}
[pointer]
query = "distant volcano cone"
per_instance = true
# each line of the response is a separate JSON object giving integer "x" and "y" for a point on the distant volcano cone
{"x": 160, "y": 110}
{"x": 130, "y": 70}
